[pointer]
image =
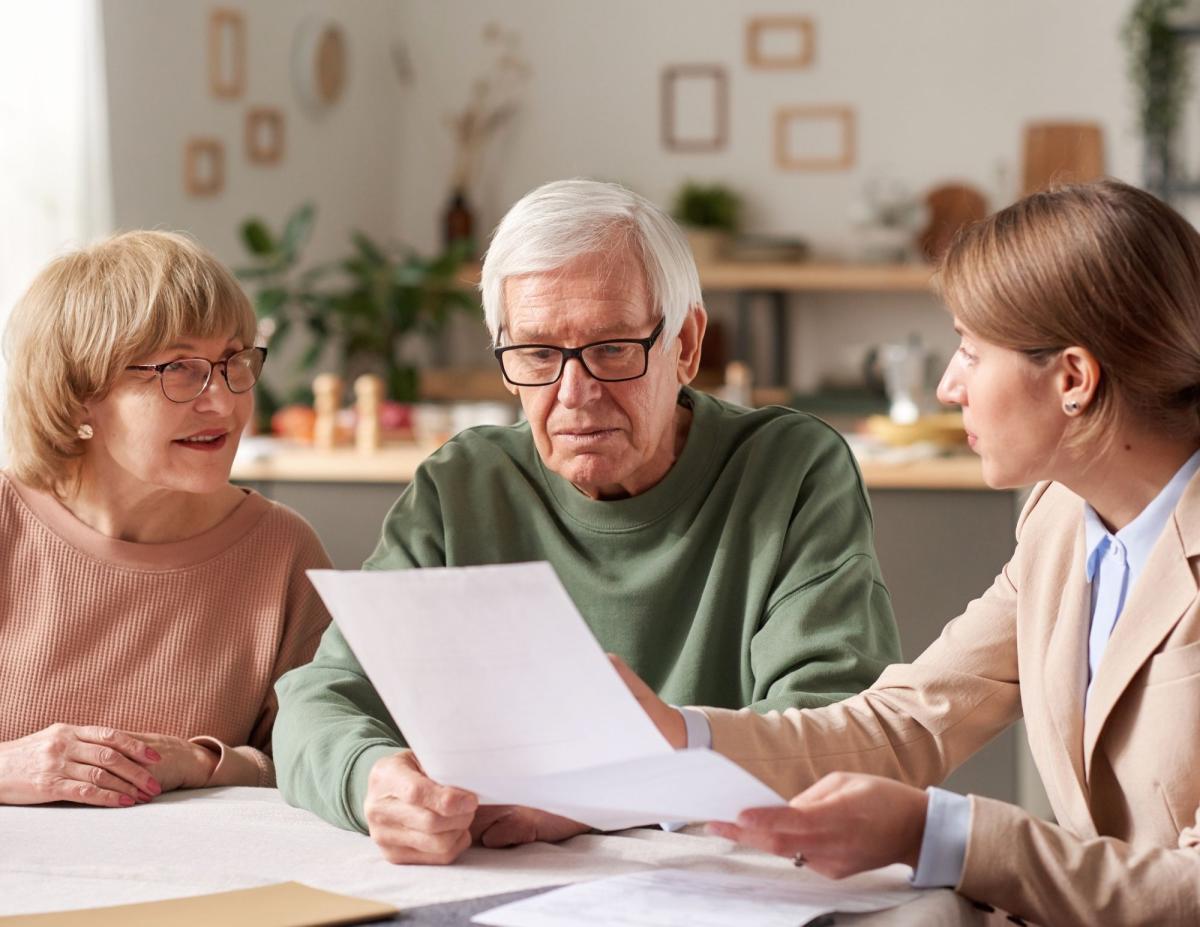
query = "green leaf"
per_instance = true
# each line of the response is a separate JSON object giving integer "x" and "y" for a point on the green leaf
{"x": 266, "y": 404}
{"x": 402, "y": 383}
{"x": 261, "y": 272}
{"x": 282, "y": 327}
{"x": 257, "y": 238}
{"x": 301, "y": 395}
{"x": 308, "y": 359}
{"x": 370, "y": 251}
{"x": 269, "y": 301}
{"x": 465, "y": 300}
{"x": 297, "y": 230}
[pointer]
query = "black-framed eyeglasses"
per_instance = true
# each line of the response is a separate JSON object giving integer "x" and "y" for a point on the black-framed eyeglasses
{"x": 611, "y": 361}
{"x": 185, "y": 379}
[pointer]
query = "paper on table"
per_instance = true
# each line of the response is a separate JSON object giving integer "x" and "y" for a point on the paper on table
{"x": 682, "y": 898}
{"x": 494, "y": 678}
{"x": 287, "y": 904}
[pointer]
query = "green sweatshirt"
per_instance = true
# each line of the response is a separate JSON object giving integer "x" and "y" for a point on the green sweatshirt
{"x": 746, "y": 577}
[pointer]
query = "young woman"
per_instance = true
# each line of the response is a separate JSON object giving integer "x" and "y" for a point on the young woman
{"x": 1079, "y": 369}
{"x": 147, "y": 606}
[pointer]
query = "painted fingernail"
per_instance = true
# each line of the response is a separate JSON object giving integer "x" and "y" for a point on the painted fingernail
{"x": 143, "y": 797}
{"x": 126, "y": 801}
{"x": 152, "y": 755}
{"x": 153, "y": 787}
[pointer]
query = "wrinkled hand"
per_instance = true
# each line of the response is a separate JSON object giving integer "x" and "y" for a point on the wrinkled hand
{"x": 413, "y": 819}
{"x": 498, "y": 826}
{"x": 183, "y": 765}
{"x": 84, "y": 764}
{"x": 845, "y": 823}
{"x": 668, "y": 720}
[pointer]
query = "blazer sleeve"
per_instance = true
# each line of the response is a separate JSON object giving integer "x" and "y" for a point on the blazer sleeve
{"x": 917, "y": 723}
{"x": 1053, "y": 877}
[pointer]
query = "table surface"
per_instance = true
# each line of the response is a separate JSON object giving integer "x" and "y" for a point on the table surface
{"x": 61, "y": 857}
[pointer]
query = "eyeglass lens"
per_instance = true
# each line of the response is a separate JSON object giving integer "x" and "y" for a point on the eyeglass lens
{"x": 186, "y": 379}
{"x": 608, "y": 361}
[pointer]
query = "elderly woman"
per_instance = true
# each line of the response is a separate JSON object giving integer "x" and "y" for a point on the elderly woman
{"x": 1079, "y": 312}
{"x": 147, "y": 606}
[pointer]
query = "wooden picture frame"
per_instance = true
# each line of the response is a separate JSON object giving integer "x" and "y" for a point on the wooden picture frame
{"x": 759, "y": 31}
{"x": 226, "y": 54}
{"x": 684, "y": 130}
{"x": 264, "y": 134}
{"x": 204, "y": 167}
{"x": 837, "y": 121}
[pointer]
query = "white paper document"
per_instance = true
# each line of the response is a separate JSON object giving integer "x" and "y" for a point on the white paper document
{"x": 688, "y": 898}
{"x": 499, "y": 687}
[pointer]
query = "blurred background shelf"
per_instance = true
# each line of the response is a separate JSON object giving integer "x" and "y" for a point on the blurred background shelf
{"x": 800, "y": 276}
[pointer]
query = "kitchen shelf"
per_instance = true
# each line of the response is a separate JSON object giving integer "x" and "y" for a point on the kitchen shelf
{"x": 801, "y": 277}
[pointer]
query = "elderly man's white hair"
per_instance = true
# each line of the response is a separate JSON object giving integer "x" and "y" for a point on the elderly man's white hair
{"x": 563, "y": 220}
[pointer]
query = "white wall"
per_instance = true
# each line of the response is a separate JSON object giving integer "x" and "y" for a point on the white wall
{"x": 942, "y": 89}
{"x": 345, "y": 159}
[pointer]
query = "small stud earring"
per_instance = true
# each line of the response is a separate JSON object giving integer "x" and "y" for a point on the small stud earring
{"x": 85, "y": 432}
{"x": 1071, "y": 407}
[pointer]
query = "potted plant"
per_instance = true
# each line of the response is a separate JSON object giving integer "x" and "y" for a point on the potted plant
{"x": 366, "y": 305}
{"x": 709, "y": 214}
{"x": 1158, "y": 67}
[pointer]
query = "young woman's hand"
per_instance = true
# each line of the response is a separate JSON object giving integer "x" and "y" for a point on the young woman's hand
{"x": 79, "y": 763}
{"x": 845, "y": 823}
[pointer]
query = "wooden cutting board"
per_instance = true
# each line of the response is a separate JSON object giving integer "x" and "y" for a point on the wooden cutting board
{"x": 1061, "y": 152}
{"x": 949, "y": 207}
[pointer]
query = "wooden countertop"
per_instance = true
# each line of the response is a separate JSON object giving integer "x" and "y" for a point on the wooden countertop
{"x": 824, "y": 277}
{"x": 398, "y": 462}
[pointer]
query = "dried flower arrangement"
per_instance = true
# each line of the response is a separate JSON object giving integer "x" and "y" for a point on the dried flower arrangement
{"x": 492, "y": 104}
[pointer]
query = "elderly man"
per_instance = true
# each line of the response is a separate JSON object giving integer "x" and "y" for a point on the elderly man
{"x": 725, "y": 554}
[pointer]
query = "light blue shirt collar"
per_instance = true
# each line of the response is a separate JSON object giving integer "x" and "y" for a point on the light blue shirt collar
{"x": 1137, "y": 537}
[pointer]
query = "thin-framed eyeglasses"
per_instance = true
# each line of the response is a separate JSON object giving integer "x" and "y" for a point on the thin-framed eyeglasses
{"x": 185, "y": 379}
{"x": 612, "y": 361}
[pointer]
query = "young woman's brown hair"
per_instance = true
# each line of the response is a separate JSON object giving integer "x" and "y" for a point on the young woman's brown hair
{"x": 1103, "y": 266}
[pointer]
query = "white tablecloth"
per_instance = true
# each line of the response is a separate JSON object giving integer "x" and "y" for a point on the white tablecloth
{"x": 58, "y": 857}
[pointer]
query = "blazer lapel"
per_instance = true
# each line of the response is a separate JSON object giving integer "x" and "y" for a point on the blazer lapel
{"x": 1163, "y": 593}
{"x": 1066, "y": 665}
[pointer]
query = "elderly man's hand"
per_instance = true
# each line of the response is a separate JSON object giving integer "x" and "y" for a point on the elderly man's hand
{"x": 843, "y": 824}
{"x": 668, "y": 720}
{"x": 414, "y": 819}
{"x": 497, "y": 826}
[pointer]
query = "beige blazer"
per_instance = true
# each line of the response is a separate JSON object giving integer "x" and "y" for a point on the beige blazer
{"x": 1124, "y": 782}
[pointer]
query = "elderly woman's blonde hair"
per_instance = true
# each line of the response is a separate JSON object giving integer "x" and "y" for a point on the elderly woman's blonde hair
{"x": 1103, "y": 266}
{"x": 87, "y": 316}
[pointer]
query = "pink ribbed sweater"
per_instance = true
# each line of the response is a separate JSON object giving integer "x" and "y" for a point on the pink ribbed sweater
{"x": 185, "y": 639}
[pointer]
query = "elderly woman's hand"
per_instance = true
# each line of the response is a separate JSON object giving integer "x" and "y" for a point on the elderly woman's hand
{"x": 845, "y": 823}
{"x": 85, "y": 764}
{"x": 182, "y": 764}
{"x": 668, "y": 720}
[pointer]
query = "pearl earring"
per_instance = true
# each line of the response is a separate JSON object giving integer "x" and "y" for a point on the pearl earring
{"x": 1071, "y": 407}
{"x": 85, "y": 432}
